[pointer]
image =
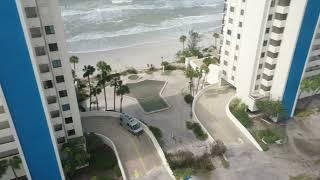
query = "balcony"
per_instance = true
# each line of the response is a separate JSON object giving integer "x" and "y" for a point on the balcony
{"x": 279, "y": 23}
{"x": 284, "y": 3}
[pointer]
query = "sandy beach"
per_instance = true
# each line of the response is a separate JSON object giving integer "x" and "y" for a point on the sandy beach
{"x": 137, "y": 56}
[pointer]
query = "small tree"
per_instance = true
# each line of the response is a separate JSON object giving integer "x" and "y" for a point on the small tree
{"x": 198, "y": 74}
{"x": 269, "y": 108}
{"x": 122, "y": 90}
{"x": 103, "y": 78}
{"x": 96, "y": 90}
{"x": 194, "y": 39}
{"x": 73, "y": 156}
{"x": 183, "y": 39}
{"x": 190, "y": 73}
{"x": 114, "y": 81}
{"x": 88, "y": 70}
{"x": 74, "y": 60}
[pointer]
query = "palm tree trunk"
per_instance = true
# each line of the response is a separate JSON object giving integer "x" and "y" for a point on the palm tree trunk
{"x": 121, "y": 99}
{"x": 14, "y": 172}
{"x": 183, "y": 46}
{"x": 105, "y": 97}
{"x": 204, "y": 80}
{"x": 74, "y": 67}
{"x": 89, "y": 92}
{"x": 198, "y": 85}
{"x": 97, "y": 102}
{"x": 114, "y": 98}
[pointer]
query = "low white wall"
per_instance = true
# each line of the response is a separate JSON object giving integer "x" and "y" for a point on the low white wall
{"x": 146, "y": 130}
{"x": 241, "y": 127}
{"x": 109, "y": 142}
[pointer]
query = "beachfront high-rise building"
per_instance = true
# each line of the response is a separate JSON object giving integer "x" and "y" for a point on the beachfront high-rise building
{"x": 38, "y": 110}
{"x": 269, "y": 46}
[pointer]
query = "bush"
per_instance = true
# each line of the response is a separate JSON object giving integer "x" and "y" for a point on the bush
{"x": 157, "y": 134}
{"x": 188, "y": 98}
{"x": 170, "y": 67}
{"x": 209, "y": 60}
{"x": 238, "y": 109}
{"x": 218, "y": 149}
{"x": 197, "y": 130}
{"x": 268, "y": 136}
{"x": 264, "y": 146}
{"x": 181, "y": 60}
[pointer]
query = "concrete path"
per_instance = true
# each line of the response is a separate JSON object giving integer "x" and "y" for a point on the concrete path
{"x": 210, "y": 110}
{"x": 138, "y": 154}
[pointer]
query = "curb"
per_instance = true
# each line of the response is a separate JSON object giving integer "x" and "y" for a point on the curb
{"x": 113, "y": 146}
{"x": 146, "y": 129}
{"x": 243, "y": 129}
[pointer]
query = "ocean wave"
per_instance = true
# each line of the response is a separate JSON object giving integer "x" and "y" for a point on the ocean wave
{"x": 144, "y": 28}
{"x": 120, "y": 1}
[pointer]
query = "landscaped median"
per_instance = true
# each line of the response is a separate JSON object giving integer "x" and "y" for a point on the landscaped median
{"x": 259, "y": 131}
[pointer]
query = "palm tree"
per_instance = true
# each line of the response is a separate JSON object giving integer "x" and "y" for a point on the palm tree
{"x": 216, "y": 36}
{"x": 190, "y": 73}
{"x": 14, "y": 163}
{"x": 88, "y": 70}
{"x": 74, "y": 60}
{"x": 204, "y": 69}
{"x": 183, "y": 39}
{"x": 122, "y": 90}
{"x": 115, "y": 78}
{"x": 198, "y": 74}
{"x": 96, "y": 90}
{"x": 103, "y": 78}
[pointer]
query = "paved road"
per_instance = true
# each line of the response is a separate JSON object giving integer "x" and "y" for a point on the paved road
{"x": 210, "y": 110}
{"x": 138, "y": 154}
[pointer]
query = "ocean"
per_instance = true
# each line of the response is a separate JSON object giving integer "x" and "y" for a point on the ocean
{"x": 101, "y": 25}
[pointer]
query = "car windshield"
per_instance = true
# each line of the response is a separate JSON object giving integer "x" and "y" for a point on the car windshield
{"x": 136, "y": 126}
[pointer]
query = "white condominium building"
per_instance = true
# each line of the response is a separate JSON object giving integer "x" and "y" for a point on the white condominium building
{"x": 38, "y": 110}
{"x": 269, "y": 46}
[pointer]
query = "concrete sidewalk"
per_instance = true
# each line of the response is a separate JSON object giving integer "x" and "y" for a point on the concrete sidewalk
{"x": 138, "y": 154}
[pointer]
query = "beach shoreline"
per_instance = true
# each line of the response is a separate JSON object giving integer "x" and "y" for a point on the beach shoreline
{"x": 137, "y": 56}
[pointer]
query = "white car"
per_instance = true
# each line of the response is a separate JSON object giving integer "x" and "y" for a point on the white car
{"x": 130, "y": 123}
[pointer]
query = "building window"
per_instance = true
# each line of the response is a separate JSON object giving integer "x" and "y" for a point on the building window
{"x": 273, "y": 3}
{"x": 49, "y": 30}
{"x": 53, "y": 47}
{"x": 269, "y": 66}
{"x": 230, "y": 21}
{"x": 284, "y": 2}
{"x": 31, "y": 12}
{"x": 281, "y": 17}
{"x": 227, "y": 42}
{"x": 40, "y": 51}
{"x": 266, "y": 77}
{"x": 60, "y": 79}
{"x": 61, "y": 140}
{"x": 44, "y": 68}
{"x": 35, "y": 32}
{"x": 68, "y": 120}
{"x": 71, "y": 132}
{"x": 260, "y": 66}
{"x": 2, "y": 110}
{"x": 66, "y": 107}
{"x": 63, "y": 93}
{"x": 226, "y": 53}
{"x": 235, "y": 58}
{"x": 270, "y": 17}
{"x": 265, "y": 43}
{"x": 231, "y": 9}
{"x": 237, "y": 47}
{"x": 224, "y": 72}
{"x": 262, "y": 55}
{"x": 229, "y": 32}
{"x": 239, "y": 36}
{"x": 47, "y": 84}
{"x": 272, "y": 55}
{"x": 232, "y": 78}
{"x": 265, "y": 88}
{"x": 240, "y": 24}
{"x": 277, "y": 29}
{"x": 256, "y": 87}
{"x": 258, "y": 77}
{"x": 275, "y": 43}
{"x": 242, "y": 12}
{"x": 225, "y": 63}
{"x": 51, "y": 99}
{"x": 234, "y": 68}
{"x": 54, "y": 114}
{"x": 56, "y": 63}
{"x": 267, "y": 30}
{"x": 58, "y": 127}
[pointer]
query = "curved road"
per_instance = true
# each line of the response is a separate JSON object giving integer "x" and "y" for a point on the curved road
{"x": 138, "y": 154}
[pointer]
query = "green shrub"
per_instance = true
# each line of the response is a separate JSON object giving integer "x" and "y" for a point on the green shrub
{"x": 238, "y": 109}
{"x": 197, "y": 130}
{"x": 170, "y": 67}
{"x": 268, "y": 135}
{"x": 157, "y": 134}
{"x": 218, "y": 149}
{"x": 188, "y": 98}
{"x": 208, "y": 60}
{"x": 264, "y": 146}
{"x": 182, "y": 174}
{"x": 181, "y": 60}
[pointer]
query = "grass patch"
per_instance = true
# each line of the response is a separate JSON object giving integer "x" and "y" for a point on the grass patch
{"x": 238, "y": 109}
{"x": 264, "y": 146}
{"x": 150, "y": 100}
{"x": 268, "y": 135}
{"x": 157, "y": 133}
{"x": 304, "y": 113}
{"x": 197, "y": 130}
{"x": 133, "y": 77}
{"x": 224, "y": 162}
{"x": 301, "y": 177}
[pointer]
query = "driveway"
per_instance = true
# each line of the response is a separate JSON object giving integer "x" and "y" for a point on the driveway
{"x": 210, "y": 110}
{"x": 138, "y": 154}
